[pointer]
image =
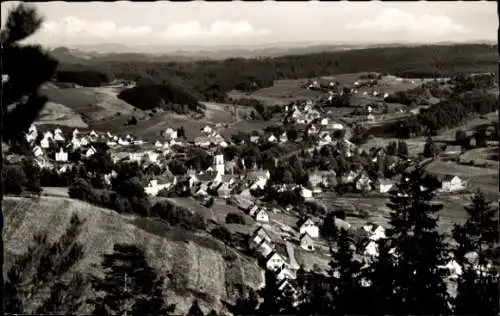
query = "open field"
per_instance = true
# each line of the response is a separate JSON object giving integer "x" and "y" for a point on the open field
{"x": 58, "y": 114}
{"x": 482, "y": 156}
{"x": 452, "y": 212}
{"x": 415, "y": 145}
{"x": 470, "y": 125}
{"x": 92, "y": 103}
{"x": 485, "y": 179}
{"x": 193, "y": 261}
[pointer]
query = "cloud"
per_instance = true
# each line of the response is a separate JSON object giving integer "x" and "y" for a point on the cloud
{"x": 219, "y": 29}
{"x": 74, "y": 27}
{"x": 398, "y": 20}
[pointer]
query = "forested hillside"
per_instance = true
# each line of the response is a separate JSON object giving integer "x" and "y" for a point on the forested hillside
{"x": 207, "y": 80}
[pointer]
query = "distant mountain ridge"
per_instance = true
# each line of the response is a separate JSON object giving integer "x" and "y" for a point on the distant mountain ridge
{"x": 158, "y": 53}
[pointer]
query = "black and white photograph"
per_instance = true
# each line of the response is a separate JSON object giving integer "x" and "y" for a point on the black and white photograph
{"x": 249, "y": 158}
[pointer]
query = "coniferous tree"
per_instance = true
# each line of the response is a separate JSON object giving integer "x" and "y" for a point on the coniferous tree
{"x": 380, "y": 280}
{"x": 313, "y": 294}
{"x": 477, "y": 237}
{"x": 420, "y": 286}
{"x": 345, "y": 277}
{"x": 43, "y": 266}
{"x": 195, "y": 309}
{"x": 274, "y": 300}
{"x": 26, "y": 68}
{"x": 130, "y": 285}
{"x": 246, "y": 305}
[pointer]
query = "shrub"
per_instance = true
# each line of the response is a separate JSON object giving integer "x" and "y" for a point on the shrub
{"x": 235, "y": 218}
{"x": 14, "y": 179}
{"x": 223, "y": 234}
{"x": 177, "y": 216}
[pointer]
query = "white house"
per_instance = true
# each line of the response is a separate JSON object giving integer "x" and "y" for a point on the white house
{"x": 386, "y": 95}
{"x": 153, "y": 156}
{"x": 75, "y": 132}
{"x": 283, "y": 138}
{"x": 135, "y": 156}
{"x": 363, "y": 183}
{"x": 207, "y": 130}
{"x": 306, "y": 193}
{"x": 451, "y": 183}
{"x": 44, "y": 143}
{"x": 337, "y": 126}
{"x": 170, "y": 133}
{"x": 219, "y": 165}
{"x": 154, "y": 187}
{"x": 93, "y": 134}
{"x": 262, "y": 216}
{"x": 123, "y": 142}
{"x": 284, "y": 273}
{"x": 90, "y": 152}
{"x": 306, "y": 242}
{"x": 272, "y": 139}
{"x": 158, "y": 144}
{"x": 349, "y": 177}
{"x": 61, "y": 155}
{"x": 309, "y": 227}
{"x": 275, "y": 261}
{"x": 57, "y": 131}
{"x": 324, "y": 121}
{"x": 384, "y": 185}
{"x": 254, "y": 138}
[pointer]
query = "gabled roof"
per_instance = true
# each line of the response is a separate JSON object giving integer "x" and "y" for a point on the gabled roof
{"x": 447, "y": 177}
{"x": 305, "y": 236}
{"x": 303, "y": 221}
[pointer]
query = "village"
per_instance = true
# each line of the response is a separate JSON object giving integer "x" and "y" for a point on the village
{"x": 278, "y": 233}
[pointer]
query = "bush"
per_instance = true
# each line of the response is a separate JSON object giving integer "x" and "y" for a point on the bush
{"x": 235, "y": 218}
{"x": 177, "y": 216}
{"x": 86, "y": 78}
{"x": 223, "y": 234}
{"x": 14, "y": 179}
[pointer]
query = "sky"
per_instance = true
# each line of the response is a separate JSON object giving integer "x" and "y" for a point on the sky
{"x": 256, "y": 23}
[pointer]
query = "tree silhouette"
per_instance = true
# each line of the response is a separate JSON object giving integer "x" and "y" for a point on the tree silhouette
{"x": 26, "y": 68}
{"x": 479, "y": 235}
{"x": 420, "y": 286}
{"x": 42, "y": 266}
{"x": 195, "y": 309}
{"x": 345, "y": 276}
{"x": 130, "y": 285}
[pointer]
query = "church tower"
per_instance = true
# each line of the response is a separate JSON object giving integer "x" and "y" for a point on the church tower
{"x": 219, "y": 163}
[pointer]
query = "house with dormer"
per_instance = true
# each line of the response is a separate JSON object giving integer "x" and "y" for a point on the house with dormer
{"x": 275, "y": 261}
{"x": 261, "y": 216}
{"x": 307, "y": 225}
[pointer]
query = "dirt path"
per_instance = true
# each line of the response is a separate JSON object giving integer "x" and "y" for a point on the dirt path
{"x": 291, "y": 254}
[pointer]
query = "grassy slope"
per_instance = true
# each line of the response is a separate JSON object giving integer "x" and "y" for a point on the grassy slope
{"x": 196, "y": 268}
{"x": 92, "y": 103}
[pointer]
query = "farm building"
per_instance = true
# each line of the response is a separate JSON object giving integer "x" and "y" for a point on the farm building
{"x": 259, "y": 236}
{"x": 307, "y": 225}
{"x": 384, "y": 185}
{"x": 61, "y": 155}
{"x": 450, "y": 183}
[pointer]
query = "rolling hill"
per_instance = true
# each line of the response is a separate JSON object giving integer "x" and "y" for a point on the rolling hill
{"x": 197, "y": 262}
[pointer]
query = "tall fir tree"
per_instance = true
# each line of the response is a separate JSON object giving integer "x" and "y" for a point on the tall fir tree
{"x": 274, "y": 300}
{"x": 477, "y": 288}
{"x": 130, "y": 285}
{"x": 195, "y": 309}
{"x": 378, "y": 274}
{"x": 420, "y": 286}
{"x": 313, "y": 293}
{"x": 345, "y": 277}
{"x": 26, "y": 68}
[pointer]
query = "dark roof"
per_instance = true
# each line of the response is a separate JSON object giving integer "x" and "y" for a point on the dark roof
{"x": 447, "y": 177}
{"x": 306, "y": 236}
{"x": 207, "y": 176}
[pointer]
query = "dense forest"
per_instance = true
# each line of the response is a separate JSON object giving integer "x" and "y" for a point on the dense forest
{"x": 210, "y": 80}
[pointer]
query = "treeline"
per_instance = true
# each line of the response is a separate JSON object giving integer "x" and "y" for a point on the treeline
{"x": 85, "y": 78}
{"x": 447, "y": 114}
{"x": 211, "y": 80}
{"x": 166, "y": 96}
